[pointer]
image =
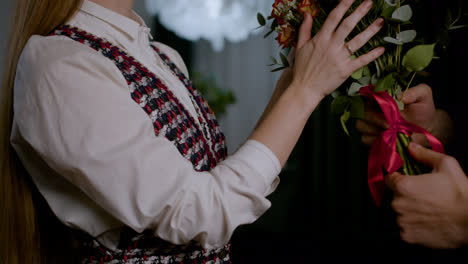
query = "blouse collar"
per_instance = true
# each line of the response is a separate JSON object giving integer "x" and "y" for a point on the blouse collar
{"x": 122, "y": 23}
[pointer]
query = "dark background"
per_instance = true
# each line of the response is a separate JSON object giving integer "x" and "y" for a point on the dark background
{"x": 322, "y": 211}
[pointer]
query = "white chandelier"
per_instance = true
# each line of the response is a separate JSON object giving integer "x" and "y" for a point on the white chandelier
{"x": 213, "y": 20}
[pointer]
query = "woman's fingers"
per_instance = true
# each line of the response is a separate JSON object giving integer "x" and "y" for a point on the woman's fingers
{"x": 368, "y": 140}
{"x": 368, "y": 128}
{"x": 366, "y": 59}
{"x": 335, "y": 17}
{"x": 351, "y": 21}
{"x": 371, "y": 126}
{"x": 324, "y": 64}
{"x": 369, "y": 131}
{"x": 376, "y": 119}
{"x": 360, "y": 40}
{"x": 305, "y": 32}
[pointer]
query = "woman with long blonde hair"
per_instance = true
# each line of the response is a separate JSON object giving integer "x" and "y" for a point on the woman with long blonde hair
{"x": 104, "y": 128}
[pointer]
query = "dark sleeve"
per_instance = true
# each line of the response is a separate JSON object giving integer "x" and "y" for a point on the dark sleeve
{"x": 450, "y": 84}
{"x": 457, "y": 106}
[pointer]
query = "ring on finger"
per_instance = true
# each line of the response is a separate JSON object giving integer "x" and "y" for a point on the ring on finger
{"x": 350, "y": 50}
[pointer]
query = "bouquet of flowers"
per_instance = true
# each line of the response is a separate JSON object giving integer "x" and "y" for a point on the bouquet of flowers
{"x": 407, "y": 56}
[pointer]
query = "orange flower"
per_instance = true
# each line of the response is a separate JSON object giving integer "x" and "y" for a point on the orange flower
{"x": 309, "y": 6}
{"x": 287, "y": 35}
{"x": 278, "y": 11}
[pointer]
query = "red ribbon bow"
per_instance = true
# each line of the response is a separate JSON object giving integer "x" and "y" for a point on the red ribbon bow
{"x": 383, "y": 154}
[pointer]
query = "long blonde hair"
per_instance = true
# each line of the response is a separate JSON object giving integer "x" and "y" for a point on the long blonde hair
{"x": 19, "y": 229}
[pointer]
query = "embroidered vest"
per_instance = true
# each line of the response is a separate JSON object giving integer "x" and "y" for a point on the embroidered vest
{"x": 203, "y": 145}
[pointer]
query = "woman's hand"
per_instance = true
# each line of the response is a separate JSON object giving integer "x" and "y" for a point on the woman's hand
{"x": 321, "y": 65}
{"x": 324, "y": 62}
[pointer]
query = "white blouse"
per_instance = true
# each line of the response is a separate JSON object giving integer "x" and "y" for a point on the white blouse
{"x": 94, "y": 156}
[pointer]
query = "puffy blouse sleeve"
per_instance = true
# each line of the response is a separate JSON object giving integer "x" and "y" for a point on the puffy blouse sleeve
{"x": 73, "y": 109}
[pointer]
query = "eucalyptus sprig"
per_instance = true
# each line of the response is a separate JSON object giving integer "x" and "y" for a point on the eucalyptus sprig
{"x": 392, "y": 72}
{"x": 406, "y": 56}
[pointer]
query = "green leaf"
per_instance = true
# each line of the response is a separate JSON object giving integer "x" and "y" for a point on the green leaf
{"x": 392, "y": 2}
{"x": 278, "y": 69}
{"x": 261, "y": 19}
{"x": 284, "y": 60}
{"x": 335, "y": 94}
{"x": 374, "y": 79}
{"x": 448, "y": 18}
{"x": 364, "y": 81}
{"x": 357, "y": 107}
{"x": 458, "y": 27}
{"x": 269, "y": 33}
{"x": 418, "y": 58}
{"x": 340, "y": 104}
{"x": 273, "y": 60}
{"x": 407, "y": 36}
{"x": 274, "y": 24}
{"x": 400, "y": 104}
{"x": 387, "y": 12}
{"x": 353, "y": 90}
{"x": 403, "y": 13}
{"x": 358, "y": 74}
{"x": 386, "y": 83}
{"x": 402, "y": 37}
{"x": 367, "y": 72}
{"x": 344, "y": 118}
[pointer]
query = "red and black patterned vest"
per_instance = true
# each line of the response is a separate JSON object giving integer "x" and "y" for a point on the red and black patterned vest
{"x": 203, "y": 145}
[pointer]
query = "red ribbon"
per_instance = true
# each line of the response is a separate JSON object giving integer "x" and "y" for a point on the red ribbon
{"x": 383, "y": 154}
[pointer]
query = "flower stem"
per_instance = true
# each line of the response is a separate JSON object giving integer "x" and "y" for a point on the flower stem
{"x": 399, "y": 49}
{"x": 399, "y": 46}
{"x": 404, "y": 141}
{"x": 403, "y": 156}
{"x": 409, "y": 84}
{"x": 412, "y": 165}
{"x": 411, "y": 81}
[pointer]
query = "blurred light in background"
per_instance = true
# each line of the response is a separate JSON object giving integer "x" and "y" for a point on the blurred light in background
{"x": 213, "y": 20}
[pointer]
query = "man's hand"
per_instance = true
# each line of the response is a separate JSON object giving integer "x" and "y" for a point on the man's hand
{"x": 419, "y": 110}
{"x": 432, "y": 208}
